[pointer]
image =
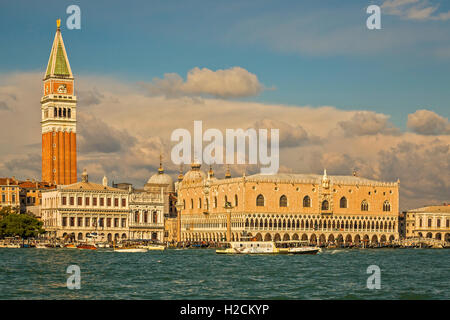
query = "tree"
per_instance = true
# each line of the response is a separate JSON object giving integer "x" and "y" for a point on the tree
{"x": 8, "y": 210}
{"x": 22, "y": 225}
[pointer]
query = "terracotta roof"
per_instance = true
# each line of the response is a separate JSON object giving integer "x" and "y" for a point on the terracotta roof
{"x": 4, "y": 182}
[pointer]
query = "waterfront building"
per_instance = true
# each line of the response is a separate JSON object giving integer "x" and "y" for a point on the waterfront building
{"x": 432, "y": 222}
{"x": 147, "y": 215}
{"x": 9, "y": 193}
{"x": 58, "y": 114}
{"x": 316, "y": 208}
{"x": 84, "y": 208}
{"x": 31, "y": 196}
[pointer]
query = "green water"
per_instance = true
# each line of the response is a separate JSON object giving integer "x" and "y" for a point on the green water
{"x": 201, "y": 274}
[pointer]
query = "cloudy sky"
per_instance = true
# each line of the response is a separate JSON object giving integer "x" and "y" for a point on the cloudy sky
{"x": 344, "y": 97}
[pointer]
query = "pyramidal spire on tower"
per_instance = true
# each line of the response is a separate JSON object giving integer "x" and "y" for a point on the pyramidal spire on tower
{"x": 58, "y": 62}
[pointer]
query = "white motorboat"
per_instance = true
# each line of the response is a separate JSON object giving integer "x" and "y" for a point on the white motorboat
{"x": 268, "y": 247}
{"x": 130, "y": 250}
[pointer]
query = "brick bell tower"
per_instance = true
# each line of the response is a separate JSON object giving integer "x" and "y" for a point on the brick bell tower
{"x": 58, "y": 106}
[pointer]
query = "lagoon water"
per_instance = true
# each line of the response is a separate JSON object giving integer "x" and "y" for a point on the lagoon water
{"x": 202, "y": 274}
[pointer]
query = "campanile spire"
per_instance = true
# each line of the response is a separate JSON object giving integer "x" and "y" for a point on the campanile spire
{"x": 58, "y": 119}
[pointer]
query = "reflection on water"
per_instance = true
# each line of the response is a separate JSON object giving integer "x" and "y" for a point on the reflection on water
{"x": 201, "y": 274}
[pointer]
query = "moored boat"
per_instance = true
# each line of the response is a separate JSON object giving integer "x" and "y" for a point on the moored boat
{"x": 70, "y": 246}
{"x": 268, "y": 247}
{"x": 87, "y": 246}
{"x": 129, "y": 249}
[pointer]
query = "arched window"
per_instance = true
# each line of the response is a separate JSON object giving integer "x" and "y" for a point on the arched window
{"x": 235, "y": 200}
{"x": 306, "y": 202}
{"x": 260, "y": 201}
{"x": 68, "y": 113}
{"x": 60, "y": 112}
{"x": 199, "y": 202}
{"x": 283, "y": 201}
{"x": 64, "y": 112}
{"x": 215, "y": 202}
{"x": 55, "y": 112}
{"x": 184, "y": 204}
{"x": 364, "y": 206}
{"x": 325, "y": 205}
{"x": 386, "y": 206}
{"x": 207, "y": 204}
{"x": 225, "y": 200}
{"x": 343, "y": 202}
{"x": 155, "y": 216}
{"x": 192, "y": 203}
{"x": 136, "y": 216}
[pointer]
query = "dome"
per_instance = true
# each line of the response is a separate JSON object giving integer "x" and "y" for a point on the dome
{"x": 194, "y": 175}
{"x": 160, "y": 179}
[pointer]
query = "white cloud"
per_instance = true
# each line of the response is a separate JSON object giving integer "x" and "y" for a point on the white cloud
{"x": 229, "y": 83}
{"x": 414, "y": 10}
{"x": 428, "y": 123}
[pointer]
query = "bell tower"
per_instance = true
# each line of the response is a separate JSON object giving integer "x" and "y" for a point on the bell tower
{"x": 58, "y": 120}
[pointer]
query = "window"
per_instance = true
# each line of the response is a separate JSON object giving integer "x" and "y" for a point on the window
{"x": 55, "y": 113}
{"x": 283, "y": 201}
{"x": 13, "y": 198}
{"x": 64, "y": 201}
{"x": 364, "y": 206}
{"x": 94, "y": 201}
{"x": 215, "y": 202}
{"x": 72, "y": 201}
{"x": 72, "y": 221}
{"x": 145, "y": 217}
{"x": 184, "y": 204}
{"x": 124, "y": 202}
{"x": 68, "y": 113}
{"x": 260, "y": 201}
{"x": 86, "y": 201}
{"x": 136, "y": 216}
{"x": 235, "y": 200}
{"x": 3, "y": 198}
{"x": 108, "y": 222}
{"x": 116, "y": 222}
{"x": 199, "y": 202}
{"x": 87, "y": 222}
{"x": 429, "y": 222}
{"x": 325, "y": 205}
{"x": 124, "y": 222}
{"x": 108, "y": 202}
{"x": 79, "y": 201}
{"x": 192, "y": 203}
{"x": 64, "y": 221}
{"x": 343, "y": 202}
{"x": 438, "y": 223}
{"x": 116, "y": 202}
{"x": 79, "y": 222}
{"x": 386, "y": 206}
{"x": 155, "y": 217}
{"x": 102, "y": 202}
{"x": 306, "y": 202}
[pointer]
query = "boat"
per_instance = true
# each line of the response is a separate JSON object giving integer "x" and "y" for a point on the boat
{"x": 87, "y": 246}
{"x": 130, "y": 249}
{"x": 43, "y": 246}
{"x": 268, "y": 247}
{"x": 153, "y": 247}
{"x": 13, "y": 245}
{"x": 70, "y": 246}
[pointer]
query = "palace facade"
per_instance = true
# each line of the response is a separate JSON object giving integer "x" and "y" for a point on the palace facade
{"x": 79, "y": 210}
{"x": 317, "y": 208}
{"x": 432, "y": 222}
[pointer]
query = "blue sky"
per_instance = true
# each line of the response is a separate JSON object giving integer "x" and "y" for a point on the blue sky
{"x": 310, "y": 52}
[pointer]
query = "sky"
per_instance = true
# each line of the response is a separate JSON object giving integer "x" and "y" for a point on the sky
{"x": 343, "y": 96}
